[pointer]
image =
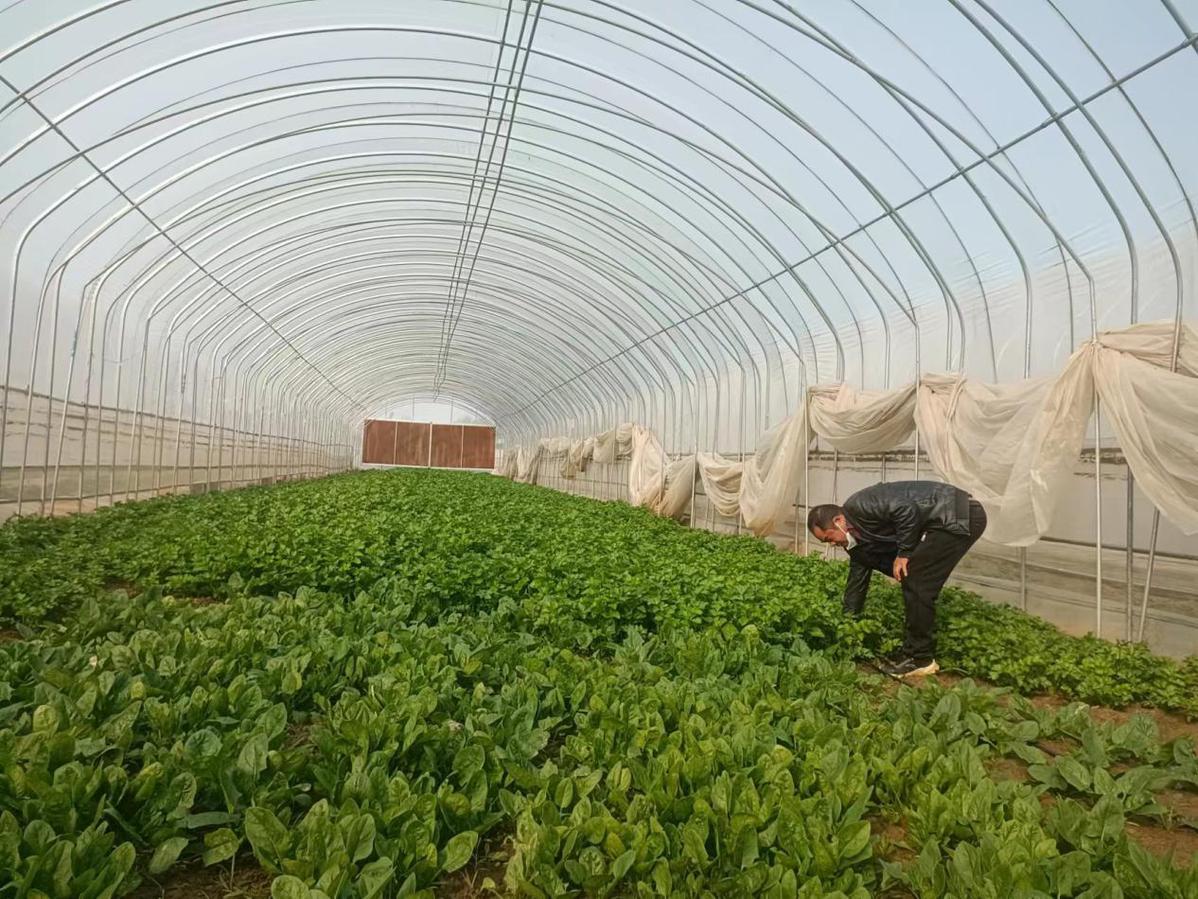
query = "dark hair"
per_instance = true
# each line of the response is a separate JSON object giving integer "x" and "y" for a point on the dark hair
{"x": 821, "y": 516}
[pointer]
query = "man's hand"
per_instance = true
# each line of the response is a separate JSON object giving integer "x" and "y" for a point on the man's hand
{"x": 900, "y": 568}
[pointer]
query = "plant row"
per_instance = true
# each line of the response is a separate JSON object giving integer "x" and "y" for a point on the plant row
{"x": 586, "y": 571}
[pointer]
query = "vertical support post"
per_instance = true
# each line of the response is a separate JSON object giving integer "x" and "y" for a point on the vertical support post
{"x": 1097, "y": 516}
{"x": 741, "y": 443}
{"x": 1156, "y": 513}
{"x": 806, "y": 475}
{"x": 430, "y": 444}
{"x": 215, "y": 398}
{"x": 82, "y": 450}
{"x": 1130, "y": 559}
{"x": 191, "y": 461}
{"x": 799, "y": 522}
{"x": 1027, "y": 373}
{"x": 690, "y": 518}
{"x": 835, "y": 474}
{"x": 1023, "y": 578}
{"x": 665, "y": 453}
{"x": 178, "y": 447}
{"x": 236, "y": 435}
{"x": 1156, "y": 524}
{"x": 918, "y": 387}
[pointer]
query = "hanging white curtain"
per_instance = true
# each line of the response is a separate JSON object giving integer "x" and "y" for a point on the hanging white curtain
{"x": 1013, "y": 446}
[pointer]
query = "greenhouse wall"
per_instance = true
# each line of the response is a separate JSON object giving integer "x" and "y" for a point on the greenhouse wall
{"x": 74, "y": 457}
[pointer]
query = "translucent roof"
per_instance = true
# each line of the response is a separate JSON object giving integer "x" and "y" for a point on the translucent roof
{"x": 543, "y": 210}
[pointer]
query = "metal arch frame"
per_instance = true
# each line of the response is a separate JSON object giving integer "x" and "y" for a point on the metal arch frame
{"x": 283, "y": 379}
{"x": 927, "y": 191}
{"x": 301, "y": 216}
{"x": 383, "y": 282}
{"x": 133, "y": 205}
{"x": 660, "y": 381}
{"x": 381, "y": 288}
{"x": 383, "y": 342}
{"x": 580, "y": 192}
{"x": 1024, "y": 268}
{"x": 625, "y": 270}
{"x": 452, "y": 302}
{"x": 578, "y": 136}
{"x": 839, "y": 246}
{"x": 304, "y": 235}
{"x": 548, "y": 80}
{"x": 962, "y": 171}
{"x": 359, "y": 239}
{"x": 344, "y": 290}
{"x": 189, "y": 57}
{"x": 97, "y": 10}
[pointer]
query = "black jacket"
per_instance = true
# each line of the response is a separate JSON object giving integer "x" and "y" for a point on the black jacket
{"x": 889, "y": 520}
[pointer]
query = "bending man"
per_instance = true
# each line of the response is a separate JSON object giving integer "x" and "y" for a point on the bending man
{"x": 913, "y": 531}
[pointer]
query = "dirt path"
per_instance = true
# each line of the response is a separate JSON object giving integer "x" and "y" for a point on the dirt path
{"x": 193, "y": 881}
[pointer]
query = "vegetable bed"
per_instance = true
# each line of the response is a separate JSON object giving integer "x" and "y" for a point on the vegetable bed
{"x": 416, "y": 683}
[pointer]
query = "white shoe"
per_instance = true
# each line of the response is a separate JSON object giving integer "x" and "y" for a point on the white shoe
{"x": 909, "y": 667}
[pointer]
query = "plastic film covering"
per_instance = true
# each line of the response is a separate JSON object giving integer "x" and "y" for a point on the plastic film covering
{"x": 234, "y": 230}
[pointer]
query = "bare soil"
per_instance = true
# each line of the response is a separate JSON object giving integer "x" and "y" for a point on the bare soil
{"x": 468, "y": 883}
{"x": 297, "y": 735}
{"x": 130, "y": 589}
{"x": 1001, "y": 768}
{"x": 193, "y": 881}
{"x": 894, "y": 843}
{"x": 1179, "y": 844}
{"x": 1183, "y": 804}
{"x": 489, "y": 863}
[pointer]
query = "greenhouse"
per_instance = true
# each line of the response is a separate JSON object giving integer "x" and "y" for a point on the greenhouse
{"x": 707, "y": 448}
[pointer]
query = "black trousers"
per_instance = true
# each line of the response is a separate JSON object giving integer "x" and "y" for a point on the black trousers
{"x": 929, "y": 567}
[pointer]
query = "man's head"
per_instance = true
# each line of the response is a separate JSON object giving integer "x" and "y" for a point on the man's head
{"x": 828, "y": 525}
